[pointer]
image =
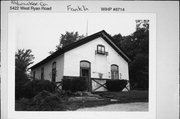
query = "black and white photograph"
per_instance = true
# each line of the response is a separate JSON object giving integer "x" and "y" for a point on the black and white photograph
{"x": 89, "y": 59}
{"x": 81, "y": 62}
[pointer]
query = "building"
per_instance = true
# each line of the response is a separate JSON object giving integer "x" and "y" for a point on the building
{"x": 95, "y": 57}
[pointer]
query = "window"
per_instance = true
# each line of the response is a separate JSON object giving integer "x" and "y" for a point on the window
{"x": 34, "y": 75}
{"x": 101, "y": 50}
{"x": 42, "y": 73}
{"x": 114, "y": 71}
{"x": 54, "y": 72}
{"x": 84, "y": 64}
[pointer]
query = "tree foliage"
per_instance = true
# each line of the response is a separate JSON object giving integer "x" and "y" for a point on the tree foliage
{"x": 142, "y": 24}
{"x": 23, "y": 58}
{"x": 118, "y": 39}
{"x": 136, "y": 46}
{"x": 67, "y": 39}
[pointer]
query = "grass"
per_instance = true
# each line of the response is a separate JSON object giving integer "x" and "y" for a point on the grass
{"x": 125, "y": 97}
{"x": 121, "y": 97}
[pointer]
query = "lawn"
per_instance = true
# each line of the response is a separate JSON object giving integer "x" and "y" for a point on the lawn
{"x": 65, "y": 103}
{"x": 126, "y": 97}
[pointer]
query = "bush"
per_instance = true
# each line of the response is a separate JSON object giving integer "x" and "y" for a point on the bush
{"x": 32, "y": 88}
{"x": 20, "y": 76}
{"x": 74, "y": 85}
{"x": 116, "y": 85}
{"x": 46, "y": 101}
{"x": 19, "y": 90}
{"x": 24, "y": 103}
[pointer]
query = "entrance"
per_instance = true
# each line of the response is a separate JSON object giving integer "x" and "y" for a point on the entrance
{"x": 85, "y": 71}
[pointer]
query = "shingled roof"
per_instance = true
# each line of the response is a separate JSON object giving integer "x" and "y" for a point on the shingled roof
{"x": 80, "y": 42}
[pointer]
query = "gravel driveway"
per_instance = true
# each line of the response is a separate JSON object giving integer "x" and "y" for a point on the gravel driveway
{"x": 138, "y": 106}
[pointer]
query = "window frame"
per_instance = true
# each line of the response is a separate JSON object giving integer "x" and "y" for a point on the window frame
{"x": 102, "y": 48}
{"x": 86, "y": 62}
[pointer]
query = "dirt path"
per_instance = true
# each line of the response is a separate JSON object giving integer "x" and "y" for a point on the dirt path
{"x": 139, "y": 106}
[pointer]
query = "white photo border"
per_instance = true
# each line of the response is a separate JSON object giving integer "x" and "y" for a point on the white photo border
{"x": 159, "y": 111}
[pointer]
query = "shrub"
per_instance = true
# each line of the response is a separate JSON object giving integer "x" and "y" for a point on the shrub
{"x": 74, "y": 85}
{"x": 24, "y": 102}
{"x": 41, "y": 85}
{"x": 19, "y": 90}
{"x": 46, "y": 101}
{"x": 20, "y": 76}
{"x": 116, "y": 85}
{"x": 32, "y": 88}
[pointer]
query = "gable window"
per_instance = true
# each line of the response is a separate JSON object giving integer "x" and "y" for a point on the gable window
{"x": 101, "y": 50}
{"x": 42, "y": 73}
{"x": 114, "y": 71}
{"x": 53, "y": 71}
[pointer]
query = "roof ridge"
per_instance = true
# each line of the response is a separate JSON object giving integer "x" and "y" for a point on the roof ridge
{"x": 81, "y": 42}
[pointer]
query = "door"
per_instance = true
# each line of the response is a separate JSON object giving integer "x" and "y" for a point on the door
{"x": 85, "y": 72}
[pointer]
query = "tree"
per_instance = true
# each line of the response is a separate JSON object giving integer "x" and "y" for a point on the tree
{"x": 23, "y": 58}
{"x": 117, "y": 39}
{"x": 136, "y": 46}
{"x": 66, "y": 39}
{"x": 142, "y": 24}
{"x": 139, "y": 72}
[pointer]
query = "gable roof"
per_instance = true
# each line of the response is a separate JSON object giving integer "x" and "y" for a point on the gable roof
{"x": 78, "y": 43}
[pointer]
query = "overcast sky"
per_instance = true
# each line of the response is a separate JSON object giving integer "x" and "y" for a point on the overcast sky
{"x": 41, "y": 32}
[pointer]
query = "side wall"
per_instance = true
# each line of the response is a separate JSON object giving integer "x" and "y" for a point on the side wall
{"x": 99, "y": 63}
{"x": 48, "y": 69}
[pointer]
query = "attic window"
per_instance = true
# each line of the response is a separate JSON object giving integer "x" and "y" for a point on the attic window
{"x": 101, "y": 50}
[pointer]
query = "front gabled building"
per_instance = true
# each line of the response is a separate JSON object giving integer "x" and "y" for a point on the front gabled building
{"x": 95, "y": 57}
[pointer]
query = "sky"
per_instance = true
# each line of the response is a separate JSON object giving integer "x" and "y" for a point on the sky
{"x": 41, "y": 32}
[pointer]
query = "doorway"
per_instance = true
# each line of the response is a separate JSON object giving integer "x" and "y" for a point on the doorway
{"x": 85, "y": 71}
